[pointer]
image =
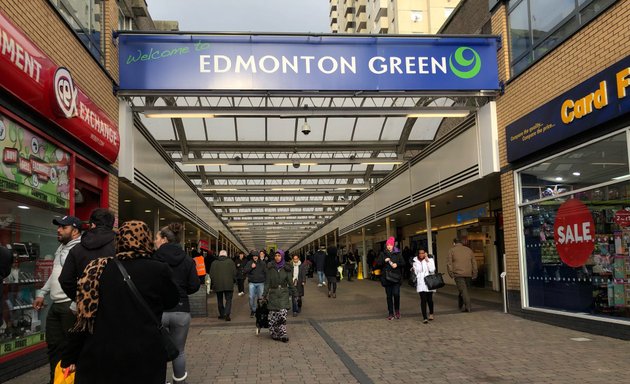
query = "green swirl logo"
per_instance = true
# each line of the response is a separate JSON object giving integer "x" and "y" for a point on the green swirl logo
{"x": 470, "y": 67}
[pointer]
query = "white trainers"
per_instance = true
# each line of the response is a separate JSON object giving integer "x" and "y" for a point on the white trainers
{"x": 241, "y": 293}
{"x": 319, "y": 285}
{"x": 324, "y": 283}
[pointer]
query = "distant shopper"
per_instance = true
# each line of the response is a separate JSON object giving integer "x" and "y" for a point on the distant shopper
{"x": 391, "y": 263}
{"x": 177, "y": 320}
{"x": 114, "y": 340}
{"x": 299, "y": 281}
{"x": 278, "y": 291}
{"x": 200, "y": 264}
{"x": 351, "y": 264}
{"x": 256, "y": 273}
{"x": 462, "y": 266}
{"x": 96, "y": 242}
{"x": 330, "y": 270}
{"x": 60, "y": 317}
{"x": 240, "y": 263}
{"x": 222, "y": 275}
{"x": 320, "y": 262}
{"x": 423, "y": 266}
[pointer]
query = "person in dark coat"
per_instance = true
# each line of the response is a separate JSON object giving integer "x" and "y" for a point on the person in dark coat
{"x": 240, "y": 262}
{"x": 223, "y": 275}
{"x": 331, "y": 263}
{"x": 299, "y": 281}
{"x": 351, "y": 263}
{"x": 392, "y": 264}
{"x": 320, "y": 262}
{"x": 278, "y": 292}
{"x": 114, "y": 340}
{"x": 6, "y": 260}
{"x": 177, "y": 320}
{"x": 97, "y": 242}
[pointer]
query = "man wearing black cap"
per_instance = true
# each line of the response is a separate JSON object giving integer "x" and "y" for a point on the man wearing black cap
{"x": 60, "y": 318}
{"x": 97, "y": 242}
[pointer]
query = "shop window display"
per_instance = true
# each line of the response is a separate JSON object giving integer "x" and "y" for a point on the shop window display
{"x": 599, "y": 284}
{"x": 34, "y": 185}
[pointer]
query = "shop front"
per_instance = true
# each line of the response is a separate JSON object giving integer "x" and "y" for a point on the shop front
{"x": 57, "y": 147}
{"x": 573, "y": 214}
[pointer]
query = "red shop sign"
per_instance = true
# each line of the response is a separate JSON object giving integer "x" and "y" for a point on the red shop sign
{"x": 574, "y": 233}
{"x": 622, "y": 217}
{"x": 34, "y": 78}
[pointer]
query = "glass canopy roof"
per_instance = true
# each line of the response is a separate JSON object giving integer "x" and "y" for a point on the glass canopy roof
{"x": 270, "y": 180}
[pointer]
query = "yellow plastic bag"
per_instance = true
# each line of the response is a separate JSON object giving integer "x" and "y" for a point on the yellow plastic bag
{"x": 59, "y": 379}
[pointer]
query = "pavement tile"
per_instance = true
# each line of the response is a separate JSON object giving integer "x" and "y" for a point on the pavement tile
{"x": 484, "y": 346}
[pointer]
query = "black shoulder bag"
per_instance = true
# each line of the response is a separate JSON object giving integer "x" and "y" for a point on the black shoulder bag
{"x": 165, "y": 338}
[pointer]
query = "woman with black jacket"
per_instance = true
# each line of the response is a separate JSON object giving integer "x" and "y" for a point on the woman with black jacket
{"x": 177, "y": 320}
{"x": 392, "y": 264}
{"x": 330, "y": 270}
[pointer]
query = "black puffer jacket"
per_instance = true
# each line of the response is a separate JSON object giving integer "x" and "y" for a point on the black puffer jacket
{"x": 95, "y": 243}
{"x": 184, "y": 273}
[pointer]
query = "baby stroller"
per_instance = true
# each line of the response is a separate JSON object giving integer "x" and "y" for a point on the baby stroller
{"x": 262, "y": 315}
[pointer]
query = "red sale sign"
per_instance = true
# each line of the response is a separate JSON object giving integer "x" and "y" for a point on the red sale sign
{"x": 622, "y": 217}
{"x": 574, "y": 233}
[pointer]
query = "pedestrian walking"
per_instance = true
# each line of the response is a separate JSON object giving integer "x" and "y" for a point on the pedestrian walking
{"x": 256, "y": 275}
{"x": 320, "y": 262}
{"x": 177, "y": 320}
{"x": 223, "y": 275}
{"x": 279, "y": 289}
{"x": 330, "y": 270}
{"x": 60, "y": 317}
{"x": 391, "y": 263}
{"x": 114, "y": 339}
{"x": 299, "y": 281}
{"x": 462, "y": 266}
{"x": 96, "y": 242}
{"x": 240, "y": 263}
{"x": 351, "y": 263}
{"x": 423, "y": 266}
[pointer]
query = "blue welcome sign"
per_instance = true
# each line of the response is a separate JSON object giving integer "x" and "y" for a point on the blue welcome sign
{"x": 159, "y": 62}
{"x": 597, "y": 100}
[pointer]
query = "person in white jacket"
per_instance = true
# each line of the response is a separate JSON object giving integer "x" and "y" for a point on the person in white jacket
{"x": 423, "y": 265}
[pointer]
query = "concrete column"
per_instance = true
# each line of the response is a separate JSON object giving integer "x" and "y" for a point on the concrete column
{"x": 335, "y": 238}
{"x": 319, "y": 242}
{"x": 348, "y": 243}
{"x": 388, "y": 227}
{"x": 156, "y": 220}
{"x": 326, "y": 241}
{"x": 427, "y": 209}
{"x": 217, "y": 243}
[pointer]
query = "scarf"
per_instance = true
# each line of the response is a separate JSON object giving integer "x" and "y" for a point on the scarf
{"x": 134, "y": 240}
{"x": 296, "y": 269}
{"x": 280, "y": 265}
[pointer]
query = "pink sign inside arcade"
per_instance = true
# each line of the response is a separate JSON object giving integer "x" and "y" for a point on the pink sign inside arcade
{"x": 574, "y": 231}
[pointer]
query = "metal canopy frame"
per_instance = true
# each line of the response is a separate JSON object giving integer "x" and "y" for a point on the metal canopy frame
{"x": 247, "y": 155}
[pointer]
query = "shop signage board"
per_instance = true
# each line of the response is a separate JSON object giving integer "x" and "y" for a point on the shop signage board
{"x": 33, "y": 77}
{"x": 597, "y": 100}
{"x": 574, "y": 233}
{"x": 622, "y": 217}
{"x": 186, "y": 62}
{"x": 32, "y": 166}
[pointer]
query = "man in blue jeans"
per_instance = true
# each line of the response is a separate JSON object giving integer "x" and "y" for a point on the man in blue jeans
{"x": 256, "y": 274}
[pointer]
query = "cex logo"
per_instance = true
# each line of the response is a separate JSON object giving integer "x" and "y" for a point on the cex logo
{"x": 465, "y": 68}
{"x": 65, "y": 93}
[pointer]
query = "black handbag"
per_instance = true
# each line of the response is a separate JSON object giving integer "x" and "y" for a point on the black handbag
{"x": 393, "y": 275}
{"x": 165, "y": 337}
{"x": 434, "y": 281}
{"x": 413, "y": 279}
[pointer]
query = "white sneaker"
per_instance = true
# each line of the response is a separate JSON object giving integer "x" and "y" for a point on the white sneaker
{"x": 324, "y": 283}
{"x": 319, "y": 285}
{"x": 241, "y": 293}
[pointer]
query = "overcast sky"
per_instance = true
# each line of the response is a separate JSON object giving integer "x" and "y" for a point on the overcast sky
{"x": 244, "y": 15}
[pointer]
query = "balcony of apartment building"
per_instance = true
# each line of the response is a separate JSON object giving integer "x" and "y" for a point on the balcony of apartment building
{"x": 360, "y": 6}
{"x": 349, "y": 10}
{"x": 381, "y": 11}
{"x": 381, "y": 26}
{"x": 361, "y": 21}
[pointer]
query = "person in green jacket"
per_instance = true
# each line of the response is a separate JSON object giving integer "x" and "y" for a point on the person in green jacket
{"x": 278, "y": 292}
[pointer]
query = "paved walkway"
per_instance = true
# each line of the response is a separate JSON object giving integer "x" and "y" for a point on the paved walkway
{"x": 349, "y": 340}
